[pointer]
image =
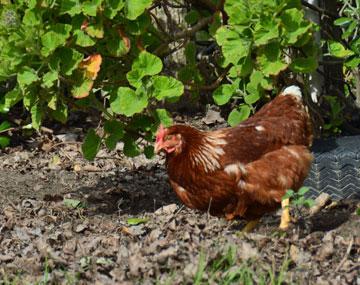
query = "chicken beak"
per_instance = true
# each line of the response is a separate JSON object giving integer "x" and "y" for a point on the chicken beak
{"x": 158, "y": 147}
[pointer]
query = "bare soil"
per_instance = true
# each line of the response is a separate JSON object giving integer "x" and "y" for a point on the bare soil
{"x": 45, "y": 240}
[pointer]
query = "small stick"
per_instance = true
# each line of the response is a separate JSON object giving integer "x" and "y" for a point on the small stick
{"x": 346, "y": 255}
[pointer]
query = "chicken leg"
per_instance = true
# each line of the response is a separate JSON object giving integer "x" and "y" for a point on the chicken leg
{"x": 285, "y": 215}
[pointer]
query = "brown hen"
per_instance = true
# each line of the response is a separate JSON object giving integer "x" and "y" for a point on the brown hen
{"x": 243, "y": 171}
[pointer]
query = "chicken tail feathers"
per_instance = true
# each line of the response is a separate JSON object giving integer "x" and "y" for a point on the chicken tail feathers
{"x": 292, "y": 90}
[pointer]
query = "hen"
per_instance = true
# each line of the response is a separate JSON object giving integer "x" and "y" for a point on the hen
{"x": 245, "y": 170}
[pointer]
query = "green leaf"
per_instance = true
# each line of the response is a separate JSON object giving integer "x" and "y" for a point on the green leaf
{"x": 32, "y": 17}
{"x": 289, "y": 194}
{"x": 352, "y": 62}
{"x": 163, "y": 117}
{"x": 69, "y": 59}
{"x": 192, "y": 17}
{"x": 36, "y": 116}
{"x": 118, "y": 46}
{"x": 96, "y": 30}
{"x": 134, "y": 8}
{"x": 233, "y": 46}
{"x": 82, "y": 39}
{"x": 236, "y": 116}
{"x": 4, "y": 126}
{"x": 90, "y": 8}
{"x": 239, "y": 11}
{"x": 270, "y": 60}
{"x": 349, "y": 31}
{"x": 130, "y": 147}
{"x": 82, "y": 87}
{"x": 126, "y": 101}
{"x": 91, "y": 145}
{"x": 294, "y": 25}
{"x": 358, "y": 211}
{"x": 244, "y": 68}
{"x": 145, "y": 64}
{"x": 223, "y": 94}
{"x": 12, "y": 97}
{"x": 115, "y": 131}
{"x": 4, "y": 141}
{"x": 303, "y": 190}
{"x": 112, "y": 7}
{"x": 136, "y": 221}
{"x": 338, "y": 50}
{"x": 149, "y": 151}
{"x": 343, "y": 21}
{"x": 49, "y": 79}
{"x": 266, "y": 30}
{"x": 72, "y": 203}
{"x": 60, "y": 113}
{"x": 308, "y": 203}
{"x": 304, "y": 65}
{"x": 26, "y": 76}
{"x": 70, "y": 7}
{"x": 57, "y": 36}
{"x": 166, "y": 87}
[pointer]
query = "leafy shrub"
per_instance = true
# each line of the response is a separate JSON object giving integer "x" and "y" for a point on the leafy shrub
{"x": 112, "y": 55}
{"x": 261, "y": 40}
{"x": 76, "y": 54}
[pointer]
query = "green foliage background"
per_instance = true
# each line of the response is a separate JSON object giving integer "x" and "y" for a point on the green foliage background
{"x": 111, "y": 55}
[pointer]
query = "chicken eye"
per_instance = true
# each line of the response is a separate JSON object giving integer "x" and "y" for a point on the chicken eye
{"x": 168, "y": 137}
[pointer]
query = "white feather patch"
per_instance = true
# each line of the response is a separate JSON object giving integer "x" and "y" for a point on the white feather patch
{"x": 293, "y": 90}
{"x": 260, "y": 128}
{"x": 210, "y": 151}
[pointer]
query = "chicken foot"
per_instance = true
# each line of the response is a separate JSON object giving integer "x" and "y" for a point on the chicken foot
{"x": 285, "y": 215}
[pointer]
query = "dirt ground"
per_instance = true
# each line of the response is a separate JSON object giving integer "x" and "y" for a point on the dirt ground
{"x": 116, "y": 221}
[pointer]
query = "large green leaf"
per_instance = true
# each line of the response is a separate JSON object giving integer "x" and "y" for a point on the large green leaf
{"x": 234, "y": 46}
{"x": 32, "y": 17}
{"x": 304, "y": 64}
{"x": 26, "y": 76}
{"x": 57, "y": 36}
{"x": 145, "y": 64}
{"x": 223, "y": 93}
{"x": 60, "y": 113}
{"x": 91, "y": 145}
{"x": 126, "y": 101}
{"x": 239, "y": 11}
{"x": 294, "y": 25}
{"x": 166, "y": 87}
{"x": 270, "y": 59}
{"x": 90, "y": 8}
{"x": 266, "y": 30}
{"x": 134, "y": 8}
{"x": 236, "y": 116}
